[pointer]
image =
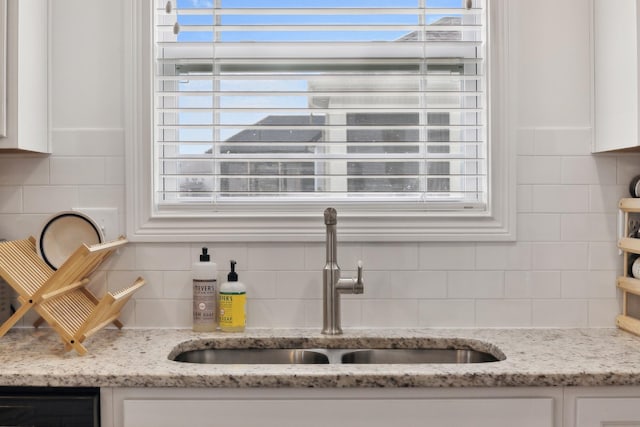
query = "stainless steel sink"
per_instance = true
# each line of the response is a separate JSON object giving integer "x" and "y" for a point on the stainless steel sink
{"x": 253, "y": 356}
{"x": 431, "y": 355}
{"x": 334, "y": 356}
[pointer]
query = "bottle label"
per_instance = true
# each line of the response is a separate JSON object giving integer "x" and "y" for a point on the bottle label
{"x": 204, "y": 302}
{"x": 233, "y": 309}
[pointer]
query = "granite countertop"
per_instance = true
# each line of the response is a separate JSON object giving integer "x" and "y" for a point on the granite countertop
{"x": 139, "y": 358}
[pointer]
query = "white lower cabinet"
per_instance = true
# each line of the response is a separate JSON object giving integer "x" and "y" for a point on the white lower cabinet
{"x": 478, "y": 407}
{"x": 332, "y": 407}
{"x": 603, "y": 412}
{"x": 604, "y": 407}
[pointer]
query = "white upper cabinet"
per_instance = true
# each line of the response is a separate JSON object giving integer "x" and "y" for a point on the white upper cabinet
{"x": 616, "y": 72}
{"x": 27, "y": 89}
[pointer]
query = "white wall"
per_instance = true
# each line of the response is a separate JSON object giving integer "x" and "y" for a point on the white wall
{"x": 561, "y": 271}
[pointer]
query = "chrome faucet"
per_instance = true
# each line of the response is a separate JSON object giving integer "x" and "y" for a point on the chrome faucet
{"x": 333, "y": 285}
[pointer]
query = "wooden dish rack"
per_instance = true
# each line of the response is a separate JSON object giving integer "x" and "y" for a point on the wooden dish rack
{"x": 626, "y": 282}
{"x": 60, "y": 296}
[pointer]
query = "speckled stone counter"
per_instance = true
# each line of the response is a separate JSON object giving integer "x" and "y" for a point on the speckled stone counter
{"x": 140, "y": 358}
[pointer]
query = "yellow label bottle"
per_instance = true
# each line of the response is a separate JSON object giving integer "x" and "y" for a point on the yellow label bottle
{"x": 232, "y": 303}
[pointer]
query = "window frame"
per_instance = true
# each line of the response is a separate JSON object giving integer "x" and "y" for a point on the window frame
{"x": 144, "y": 223}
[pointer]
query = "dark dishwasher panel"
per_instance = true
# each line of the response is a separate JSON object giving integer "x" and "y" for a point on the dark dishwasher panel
{"x": 49, "y": 407}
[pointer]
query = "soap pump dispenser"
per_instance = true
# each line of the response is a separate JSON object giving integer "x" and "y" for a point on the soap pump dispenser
{"x": 233, "y": 303}
{"x": 204, "y": 274}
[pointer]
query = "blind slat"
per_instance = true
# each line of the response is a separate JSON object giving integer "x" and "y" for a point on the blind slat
{"x": 319, "y": 11}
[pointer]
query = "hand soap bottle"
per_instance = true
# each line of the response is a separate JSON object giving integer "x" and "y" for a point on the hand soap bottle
{"x": 233, "y": 303}
{"x": 205, "y": 313}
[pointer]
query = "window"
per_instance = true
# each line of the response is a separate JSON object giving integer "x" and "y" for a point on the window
{"x": 263, "y": 113}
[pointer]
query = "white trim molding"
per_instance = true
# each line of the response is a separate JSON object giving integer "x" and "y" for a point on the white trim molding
{"x": 145, "y": 223}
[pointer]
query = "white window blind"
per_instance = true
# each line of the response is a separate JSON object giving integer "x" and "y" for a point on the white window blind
{"x": 298, "y": 102}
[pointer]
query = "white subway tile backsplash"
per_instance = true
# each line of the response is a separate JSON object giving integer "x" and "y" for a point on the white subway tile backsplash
{"x": 524, "y": 198}
{"x": 589, "y": 227}
{"x": 11, "y": 200}
{"x": 561, "y": 271}
{"x": 351, "y": 314}
{"x": 503, "y": 313}
{"x": 391, "y": 256}
{"x": 299, "y": 285}
{"x": 177, "y": 285}
{"x": 600, "y": 284}
{"x": 575, "y": 284}
{"x": 517, "y": 284}
{"x": 446, "y": 256}
{"x": 88, "y": 142}
{"x": 628, "y": 166}
{"x": 532, "y": 284}
{"x": 475, "y": 284}
{"x": 163, "y": 313}
{"x": 162, "y": 256}
{"x": 589, "y": 170}
{"x": 603, "y": 312}
{"x": 539, "y": 227}
{"x": 49, "y": 199}
{"x": 560, "y": 198}
{"x": 20, "y": 226}
{"x": 260, "y": 284}
{"x": 563, "y": 141}
{"x": 390, "y": 313}
{"x": 275, "y": 313}
{"x": 114, "y": 173}
{"x": 539, "y": 169}
{"x": 560, "y": 256}
{"x": 15, "y": 170}
{"x": 418, "y": 284}
{"x": 560, "y": 313}
{"x": 77, "y": 170}
{"x": 546, "y": 284}
{"x": 276, "y": 256}
{"x": 525, "y": 139}
{"x": 604, "y": 198}
{"x": 434, "y": 313}
{"x": 100, "y": 196}
{"x": 604, "y": 256}
{"x": 589, "y": 284}
{"x": 313, "y": 314}
{"x": 503, "y": 256}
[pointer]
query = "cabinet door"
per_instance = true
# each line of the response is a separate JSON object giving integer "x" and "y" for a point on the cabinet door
{"x": 608, "y": 412}
{"x": 27, "y": 78}
{"x": 499, "y": 412}
{"x": 616, "y": 74}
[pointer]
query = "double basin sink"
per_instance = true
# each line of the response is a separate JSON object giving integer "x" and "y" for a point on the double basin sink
{"x": 439, "y": 353}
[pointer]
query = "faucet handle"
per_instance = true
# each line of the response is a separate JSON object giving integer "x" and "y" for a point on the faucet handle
{"x": 358, "y": 287}
{"x": 351, "y": 285}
